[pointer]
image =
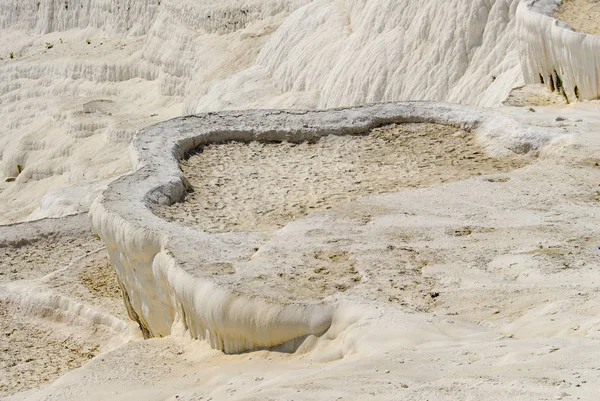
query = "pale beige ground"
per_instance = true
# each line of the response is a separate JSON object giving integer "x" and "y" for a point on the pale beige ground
{"x": 35, "y": 259}
{"x": 261, "y": 187}
{"x": 31, "y": 355}
{"x": 581, "y": 15}
{"x": 264, "y": 186}
{"x": 37, "y": 345}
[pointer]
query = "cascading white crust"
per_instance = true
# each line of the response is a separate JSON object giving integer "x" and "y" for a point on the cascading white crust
{"x": 332, "y": 54}
{"x": 553, "y": 54}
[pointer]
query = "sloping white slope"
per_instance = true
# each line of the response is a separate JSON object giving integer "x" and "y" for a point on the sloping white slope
{"x": 70, "y": 111}
{"x": 155, "y": 59}
{"x": 332, "y": 53}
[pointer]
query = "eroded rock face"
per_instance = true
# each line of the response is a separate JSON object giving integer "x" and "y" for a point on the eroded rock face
{"x": 161, "y": 264}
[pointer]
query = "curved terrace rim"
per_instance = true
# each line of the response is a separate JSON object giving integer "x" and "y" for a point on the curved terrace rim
{"x": 152, "y": 256}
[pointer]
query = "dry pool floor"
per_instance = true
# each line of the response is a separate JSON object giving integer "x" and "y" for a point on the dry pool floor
{"x": 261, "y": 186}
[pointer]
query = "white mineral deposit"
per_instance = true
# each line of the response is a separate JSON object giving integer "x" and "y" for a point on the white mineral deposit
{"x": 299, "y": 200}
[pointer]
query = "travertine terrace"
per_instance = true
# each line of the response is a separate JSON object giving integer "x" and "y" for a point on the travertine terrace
{"x": 553, "y": 54}
{"x": 167, "y": 288}
{"x": 299, "y": 200}
{"x": 263, "y": 186}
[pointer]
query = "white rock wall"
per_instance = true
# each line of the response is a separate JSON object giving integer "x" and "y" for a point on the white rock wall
{"x": 340, "y": 53}
{"x": 553, "y": 54}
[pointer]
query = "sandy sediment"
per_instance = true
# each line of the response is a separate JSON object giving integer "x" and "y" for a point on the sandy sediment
{"x": 581, "y": 15}
{"x": 533, "y": 95}
{"x": 37, "y": 258}
{"x": 33, "y": 354}
{"x": 60, "y": 303}
{"x": 262, "y": 186}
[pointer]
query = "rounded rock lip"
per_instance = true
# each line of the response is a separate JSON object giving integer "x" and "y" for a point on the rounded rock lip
{"x": 158, "y": 263}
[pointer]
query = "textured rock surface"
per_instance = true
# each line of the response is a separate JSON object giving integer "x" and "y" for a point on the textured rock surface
{"x": 264, "y": 186}
{"x": 79, "y": 78}
{"x": 484, "y": 288}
